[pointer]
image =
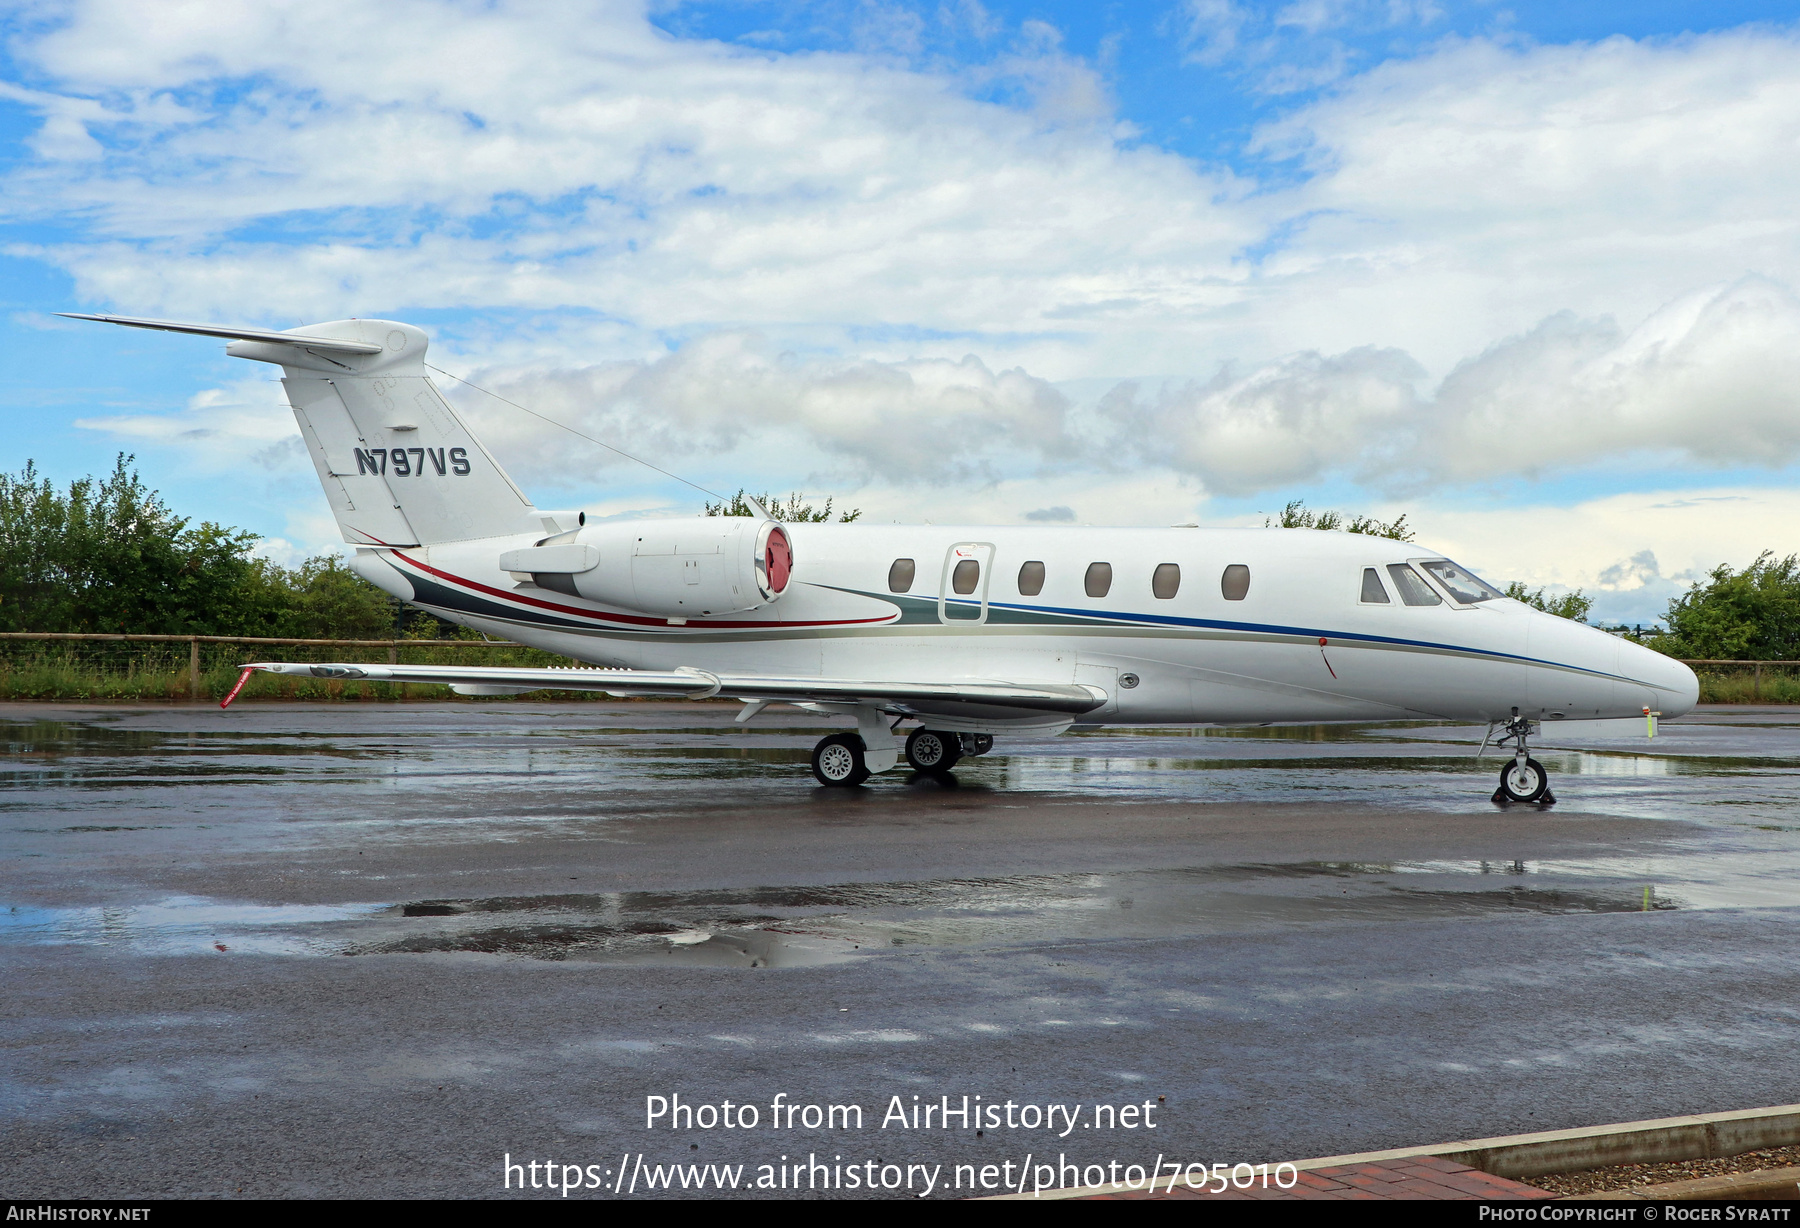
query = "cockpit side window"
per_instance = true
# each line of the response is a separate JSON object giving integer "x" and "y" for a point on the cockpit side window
{"x": 1413, "y": 590}
{"x": 1372, "y": 591}
{"x": 1462, "y": 584}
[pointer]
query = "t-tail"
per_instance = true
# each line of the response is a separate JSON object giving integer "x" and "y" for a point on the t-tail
{"x": 399, "y": 465}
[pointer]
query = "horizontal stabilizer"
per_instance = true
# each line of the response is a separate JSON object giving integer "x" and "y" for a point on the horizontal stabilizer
{"x": 234, "y": 333}
{"x": 700, "y": 684}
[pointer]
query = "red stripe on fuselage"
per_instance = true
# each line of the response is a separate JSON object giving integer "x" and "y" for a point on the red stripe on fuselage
{"x": 632, "y": 619}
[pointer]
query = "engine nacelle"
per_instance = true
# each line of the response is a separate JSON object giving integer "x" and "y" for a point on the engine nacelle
{"x": 672, "y": 568}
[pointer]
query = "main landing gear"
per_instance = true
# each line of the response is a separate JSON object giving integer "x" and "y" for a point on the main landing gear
{"x": 933, "y": 750}
{"x": 1524, "y": 778}
{"x": 838, "y": 760}
{"x": 841, "y": 760}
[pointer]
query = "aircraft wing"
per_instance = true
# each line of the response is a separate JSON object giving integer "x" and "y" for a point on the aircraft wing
{"x": 688, "y": 683}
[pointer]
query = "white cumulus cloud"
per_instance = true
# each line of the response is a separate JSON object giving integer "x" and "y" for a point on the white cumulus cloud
{"x": 924, "y": 421}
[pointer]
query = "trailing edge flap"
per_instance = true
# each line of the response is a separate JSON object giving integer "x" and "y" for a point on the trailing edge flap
{"x": 700, "y": 684}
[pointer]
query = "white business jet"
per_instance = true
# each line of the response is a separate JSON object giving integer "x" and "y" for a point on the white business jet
{"x": 972, "y": 633}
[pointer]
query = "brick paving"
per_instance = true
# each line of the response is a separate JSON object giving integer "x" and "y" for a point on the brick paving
{"x": 1416, "y": 1177}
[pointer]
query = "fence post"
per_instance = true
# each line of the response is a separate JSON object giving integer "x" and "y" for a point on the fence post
{"x": 193, "y": 667}
{"x": 393, "y": 655}
{"x": 1756, "y": 682}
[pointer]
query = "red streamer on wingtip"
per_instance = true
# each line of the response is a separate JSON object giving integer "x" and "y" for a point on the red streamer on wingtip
{"x": 242, "y": 679}
{"x": 1322, "y": 642}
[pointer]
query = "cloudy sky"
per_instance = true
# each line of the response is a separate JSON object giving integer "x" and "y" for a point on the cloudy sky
{"x": 1529, "y": 273}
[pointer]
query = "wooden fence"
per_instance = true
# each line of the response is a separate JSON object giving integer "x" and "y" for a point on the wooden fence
{"x": 195, "y": 641}
{"x": 1756, "y": 669}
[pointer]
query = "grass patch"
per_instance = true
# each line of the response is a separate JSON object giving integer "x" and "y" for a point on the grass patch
{"x": 111, "y": 672}
{"x": 98, "y": 671}
{"x": 1780, "y": 684}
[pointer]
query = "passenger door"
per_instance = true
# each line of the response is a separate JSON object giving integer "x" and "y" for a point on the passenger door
{"x": 963, "y": 587}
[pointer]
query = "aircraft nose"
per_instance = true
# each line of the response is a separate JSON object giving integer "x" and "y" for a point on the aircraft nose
{"x": 1677, "y": 688}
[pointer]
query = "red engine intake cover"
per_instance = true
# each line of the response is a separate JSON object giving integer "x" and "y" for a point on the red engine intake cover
{"x": 778, "y": 555}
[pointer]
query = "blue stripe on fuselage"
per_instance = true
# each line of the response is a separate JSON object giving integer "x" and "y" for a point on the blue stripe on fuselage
{"x": 1214, "y": 624}
{"x": 447, "y": 598}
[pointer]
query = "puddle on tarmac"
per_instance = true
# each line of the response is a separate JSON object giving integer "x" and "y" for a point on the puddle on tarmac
{"x": 795, "y": 926}
{"x": 110, "y": 775}
{"x": 180, "y": 925}
{"x": 473, "y": 773}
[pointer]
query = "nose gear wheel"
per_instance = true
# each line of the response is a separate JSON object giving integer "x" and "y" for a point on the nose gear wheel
{"x": 1524, "y": 781}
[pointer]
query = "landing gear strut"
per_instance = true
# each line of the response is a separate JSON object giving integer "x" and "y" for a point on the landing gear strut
{"x": 845, "y": 760}
{"x": 1524, "y": 778}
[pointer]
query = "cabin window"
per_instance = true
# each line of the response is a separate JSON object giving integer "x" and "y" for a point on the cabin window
{"x": 1373, "y": 591}
{"x": 1235, "y": 583}
{"x": 964, "y": 576}
{"x": 1031, "y": 578}
{"x": 1099, "y": 579}
{"x": 1166, "y": 581}
{"x": 1413, "y": 591}
{"x": 900, "y": 576}
{"x": 1464, "y": 585}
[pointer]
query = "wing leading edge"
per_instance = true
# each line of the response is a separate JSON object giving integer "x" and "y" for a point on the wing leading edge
{"x": 688, "y": 683}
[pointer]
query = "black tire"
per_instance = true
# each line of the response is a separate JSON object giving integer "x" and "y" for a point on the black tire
{"x": 928, "y": 750}
{"x": 977, "y": 743}
{"x": 1527, "y": 786}
{"x": 838, "y": 763}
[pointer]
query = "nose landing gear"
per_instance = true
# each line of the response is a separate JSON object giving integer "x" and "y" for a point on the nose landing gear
{"x": 1524, "y": 779}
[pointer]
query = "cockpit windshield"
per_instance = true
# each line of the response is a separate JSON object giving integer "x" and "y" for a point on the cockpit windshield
{"x": 1462, "y": 584}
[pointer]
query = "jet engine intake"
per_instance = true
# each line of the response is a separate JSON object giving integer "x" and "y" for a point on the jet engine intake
{"x": 672, "y": 568}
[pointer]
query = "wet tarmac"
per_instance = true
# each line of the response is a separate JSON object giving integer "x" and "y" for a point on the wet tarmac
{"x": 376, "y": 949}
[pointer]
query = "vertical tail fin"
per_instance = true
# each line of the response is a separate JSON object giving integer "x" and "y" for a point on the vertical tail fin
{"x": 399, "y": 466}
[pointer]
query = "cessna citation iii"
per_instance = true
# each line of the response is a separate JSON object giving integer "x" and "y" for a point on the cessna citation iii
{"x": 971, "y": 633}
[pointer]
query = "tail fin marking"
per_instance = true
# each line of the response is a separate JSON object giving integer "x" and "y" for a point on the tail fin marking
{"x": 366, "y": 508}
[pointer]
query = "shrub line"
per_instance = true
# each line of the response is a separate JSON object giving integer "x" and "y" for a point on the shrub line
{"x": 257, "y": 639}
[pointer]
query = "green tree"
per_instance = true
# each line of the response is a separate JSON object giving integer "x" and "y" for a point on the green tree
{"x": 109, "y": 555}
{"x": 327, "y": 601}
{"x": 1748, "y": 615}
{"x": 1573, "y": 606}
{"x": 794, "y": 510}
{"x": 1296, "y": 515}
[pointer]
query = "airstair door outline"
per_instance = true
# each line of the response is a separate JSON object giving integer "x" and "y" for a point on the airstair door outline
{"x": 963, "y": 586}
